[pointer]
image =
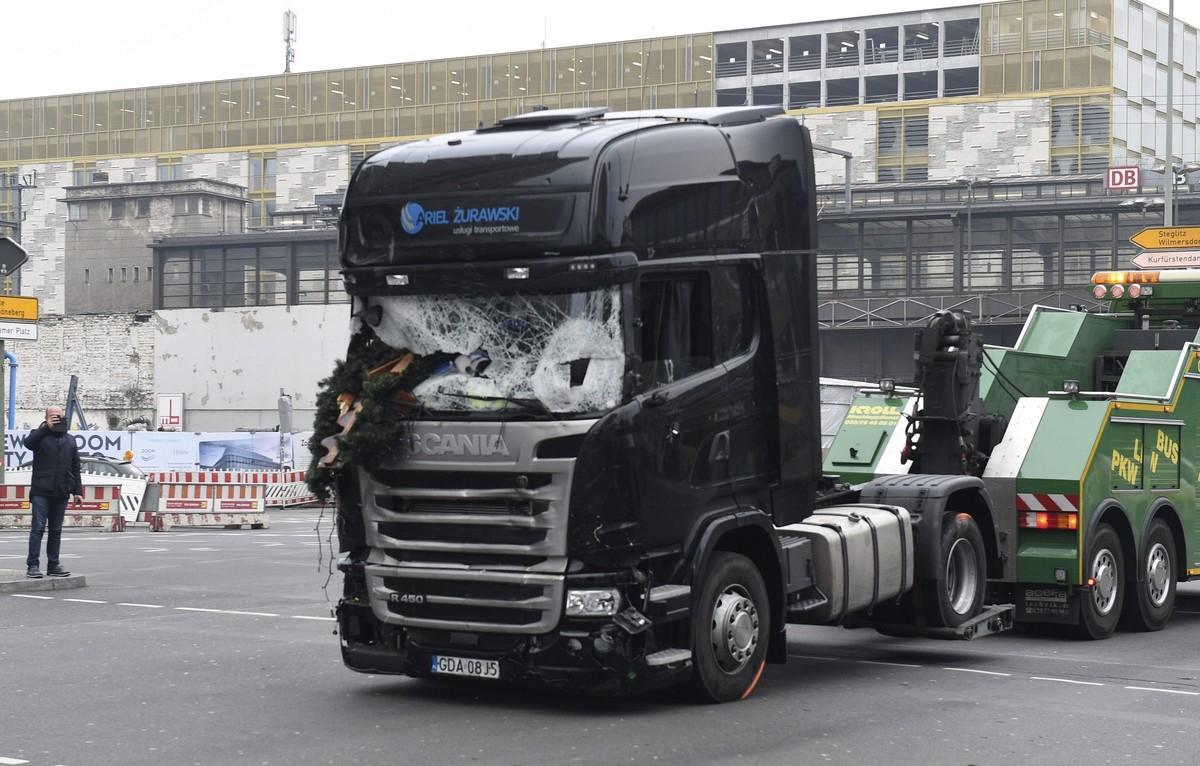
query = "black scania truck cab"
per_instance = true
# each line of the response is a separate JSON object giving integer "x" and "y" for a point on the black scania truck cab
{"x": 609, "y": 487}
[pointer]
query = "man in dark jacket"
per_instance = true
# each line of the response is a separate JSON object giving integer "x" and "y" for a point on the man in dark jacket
{"x": 55, "y": 480}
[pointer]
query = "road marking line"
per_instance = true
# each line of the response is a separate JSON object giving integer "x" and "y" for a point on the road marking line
{"x": 1164, "y": 691}
{"x": 1180, "y": 611}
{"x": 85, "y": 601}
{"x": 1066, "y": 681}
{"x": 11, "y": 761}
{"x": 981, "y": 672}
{"x": 816, "y": 657}
{"x": 331, "y": 619}
{"x": 890, "y": 664}
{"x": 196, "y": 609}
{"x": 251, "y": 614}
{"x": 143, "y": 606}
{"x": 30, "y": 595}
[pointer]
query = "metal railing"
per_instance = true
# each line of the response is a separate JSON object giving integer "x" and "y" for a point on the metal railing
{"x": 804, "y": 63}
{"x": 766, "y": 66}
{"x": 731, "y": 68}
{"x": 881, "y": 55}
{"x": 920, "y": 51}
{"x": 964, "y": 90}
{"x": 841, "y": 100}
{"x": 882, "y": 98}
{"x": 964, "y": 46}
{"x": 914, "y": 95}
{"x": 985, "y": 308}
{"x": 848, "y": 58}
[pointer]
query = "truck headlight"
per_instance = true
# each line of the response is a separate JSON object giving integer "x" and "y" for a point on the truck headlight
{"x": 594, "y": 602}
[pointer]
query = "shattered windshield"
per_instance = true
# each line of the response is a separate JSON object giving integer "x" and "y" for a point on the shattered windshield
{"x": 559, "y": 352}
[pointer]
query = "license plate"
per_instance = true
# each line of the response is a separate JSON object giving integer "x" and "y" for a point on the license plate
{"x": 464, "y": 666}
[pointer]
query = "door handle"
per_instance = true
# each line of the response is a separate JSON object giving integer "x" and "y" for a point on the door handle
{"x": 719, "y": 451}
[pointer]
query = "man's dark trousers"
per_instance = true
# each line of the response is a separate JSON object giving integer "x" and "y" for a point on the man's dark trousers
{"x": 47, "y": 511}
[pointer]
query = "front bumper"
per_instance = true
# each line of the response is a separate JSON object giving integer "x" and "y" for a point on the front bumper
{"x": 597, "y": 656}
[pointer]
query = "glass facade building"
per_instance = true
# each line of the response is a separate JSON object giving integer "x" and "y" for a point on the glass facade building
{"x": 361, "y": 104}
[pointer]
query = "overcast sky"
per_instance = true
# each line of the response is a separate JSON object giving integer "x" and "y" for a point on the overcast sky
{"x": 71, "y": 46}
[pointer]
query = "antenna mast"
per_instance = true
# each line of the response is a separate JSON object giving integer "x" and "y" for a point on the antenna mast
{"x": 289, "y": 37}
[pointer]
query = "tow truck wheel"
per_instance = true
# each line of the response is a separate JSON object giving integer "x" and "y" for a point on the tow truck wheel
{"x": 1154, "y": 599}
{"x": 731, "y": 625}
{"x": 1100, "y": 606}
{"x": 957, "y": 595}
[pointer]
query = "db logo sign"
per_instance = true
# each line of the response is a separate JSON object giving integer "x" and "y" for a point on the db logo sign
{"x": 1125, "y": 177}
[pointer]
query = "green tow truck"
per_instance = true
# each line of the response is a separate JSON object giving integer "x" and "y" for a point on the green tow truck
{"x": 1081, "y": 442}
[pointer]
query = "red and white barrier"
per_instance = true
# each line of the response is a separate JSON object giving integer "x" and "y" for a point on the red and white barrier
{"x": 208, "y": 499}
{"x": 282, "y": 488}
{"x": 100, "y": 508}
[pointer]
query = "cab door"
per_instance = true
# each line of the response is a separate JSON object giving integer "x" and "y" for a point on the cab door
{"x": 700, "y": 431}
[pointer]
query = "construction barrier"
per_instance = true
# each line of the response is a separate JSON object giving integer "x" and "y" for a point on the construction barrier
{"x": 283, "y": 488}
{"x": 100, "y": 509}
{"x": 206, "y": 499}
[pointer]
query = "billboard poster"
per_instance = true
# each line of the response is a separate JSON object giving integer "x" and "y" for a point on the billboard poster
{"x": 174, "y": 450}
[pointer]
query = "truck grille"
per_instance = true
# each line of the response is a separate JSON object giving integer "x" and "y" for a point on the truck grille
{"x": 472, "y": 543}
{"x": 483, "y": 601}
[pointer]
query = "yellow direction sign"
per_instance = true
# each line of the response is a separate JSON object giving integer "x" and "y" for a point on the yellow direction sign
{"x": 1168, "y": 238}
{"x": 19, "y": 307}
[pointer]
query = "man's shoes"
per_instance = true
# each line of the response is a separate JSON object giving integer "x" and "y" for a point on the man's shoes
{"x": 56, "y": 570}
{"x": 33, "y": 573}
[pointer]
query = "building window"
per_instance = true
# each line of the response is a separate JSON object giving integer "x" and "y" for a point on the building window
{"x": 82, "y": 173}
{"x": 116, "y": 209}
{"x": 262, "y": 188}
{"x": 9, "y": 182}
{"x": 360, "y": 152}
{"x": 110, "y": 276}
{"x": 87, "y": 276}
{"x": 77, "y": 211}
{"x": 170, "y": 168}
{"x": 135, "y": 274}
{"x": 902, "y": 148}
{"x": 143, "y": 208}
{"x": 193, "y": 205}
{"x": 1079, "y": 135}
{"x": 124, "y": 274}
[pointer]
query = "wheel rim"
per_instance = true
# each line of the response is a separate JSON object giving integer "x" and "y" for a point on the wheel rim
{"x": 1158, "y": 574}
{"x": 734, "y": 629}
{"x": 962, "y": 576}
{"x": 1104, "y": 572}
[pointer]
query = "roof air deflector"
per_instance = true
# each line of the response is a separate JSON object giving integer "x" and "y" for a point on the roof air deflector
{"x": 552, "y": 116}
{"x": 721, "y": 115}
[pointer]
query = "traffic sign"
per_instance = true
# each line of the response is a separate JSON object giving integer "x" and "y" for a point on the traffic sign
{"x": 12, "y": 256}
{"x": 19, "y": 307}
{"x": 18, "y": 331}
{"x": 1124, "y": 178}
{"x": 1164, "y": 238}
{"x": 1167, "y": 259}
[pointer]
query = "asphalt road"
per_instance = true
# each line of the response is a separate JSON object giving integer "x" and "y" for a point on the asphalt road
{"x": 216, "y": 647}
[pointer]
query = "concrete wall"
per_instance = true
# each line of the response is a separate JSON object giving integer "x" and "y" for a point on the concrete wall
{"x": 302, "y": 173}
{"x": 113, "y": 355}
{"x": 230, "y": 364}
{"x": 1000, "y": 138}
{"x": 44, "y": 235}
{"x": 852, "y": 131}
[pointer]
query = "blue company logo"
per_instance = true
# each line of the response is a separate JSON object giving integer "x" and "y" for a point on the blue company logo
{"x": 412, "y": 218}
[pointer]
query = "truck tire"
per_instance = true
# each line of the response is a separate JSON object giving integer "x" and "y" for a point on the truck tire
{"x": 957, "y": 594}
{"x": 731, "y": 625}
{"x": 1154, "y": 594}
{"x": 1100, "y": 607}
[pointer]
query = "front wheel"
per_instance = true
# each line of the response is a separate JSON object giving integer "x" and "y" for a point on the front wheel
{"x": 1100, "y": 607}
{"x": 957, "y": 595}
{"x": 1154, "y": 597}
{"x": 731, "y": 624}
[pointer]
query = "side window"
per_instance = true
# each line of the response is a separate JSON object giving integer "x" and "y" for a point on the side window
{"x": 732, "y": 310}
{"x": 676, "y": 327}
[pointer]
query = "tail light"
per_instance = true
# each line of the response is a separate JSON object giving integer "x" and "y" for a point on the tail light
{"x": 1048, "y": 520}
